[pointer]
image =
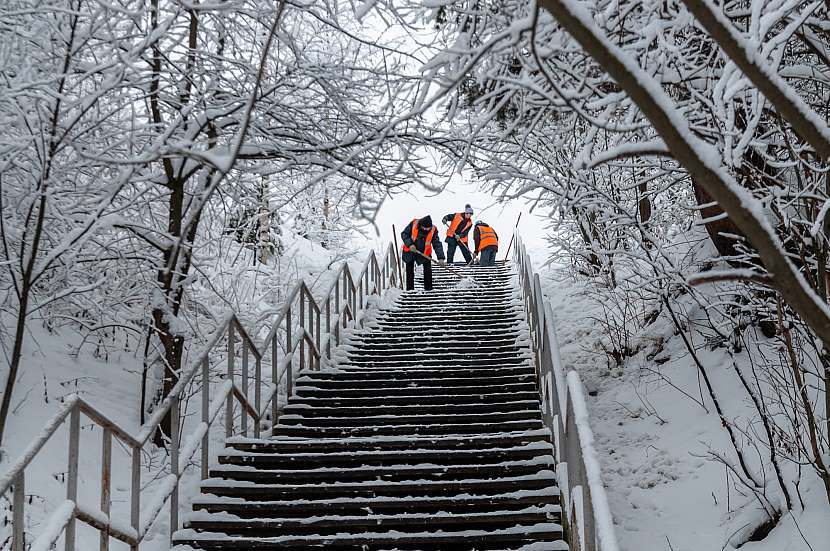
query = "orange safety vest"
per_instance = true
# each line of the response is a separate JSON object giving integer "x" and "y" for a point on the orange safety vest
{"x": 427, "y": 242}
{"x": 487, "y": 237}
{"x": 456, "y": 221}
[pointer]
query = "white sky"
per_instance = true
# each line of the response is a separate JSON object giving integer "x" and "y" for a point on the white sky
{"x": 418, "y": 202}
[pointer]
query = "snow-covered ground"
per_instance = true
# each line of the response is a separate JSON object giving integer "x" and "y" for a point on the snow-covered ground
{"x": 665, "y": 492}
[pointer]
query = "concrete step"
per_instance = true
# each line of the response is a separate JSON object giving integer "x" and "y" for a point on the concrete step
{"x": 382, "y": 506}
{"x": 451, "y": 318}
{"x": 307, "y": 410}
{"x": 540, "y": 537}
{"x": 371, "y": 400}
{"x": 303, "y": 391}
{"x": 377, "y": 339}
{"x": 364, "y": 458}
{"x": 494, "y": 419}
{"x": 290, "y": 445}
{"x": 409, "y": 489}
{"x": 455, "y": 429}
{"x": 402, "y": 524}
{"x": 463, "y": 347}
{"x": 446, "y": 375}
{"x": 419, "y": 362}
{"x": 410, "y": 339}
{"x": 383, "y": 473}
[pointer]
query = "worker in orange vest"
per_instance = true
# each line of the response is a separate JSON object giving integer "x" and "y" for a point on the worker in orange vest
{"x": 422, "y": 236}
{"x": 487, "y": 243}
{"x": 460, "y": 224}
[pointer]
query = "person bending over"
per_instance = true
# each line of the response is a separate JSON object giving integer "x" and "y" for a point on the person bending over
{"x": 460, "y": 224}
{"x": 487, "y": 243}
{"x": 419, "y": 236}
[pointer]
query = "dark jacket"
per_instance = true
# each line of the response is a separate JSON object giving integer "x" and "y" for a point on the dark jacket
{"x": 477, "y": 235}
{"x": 420, "y": 243}
{"x": 461, "y": 233}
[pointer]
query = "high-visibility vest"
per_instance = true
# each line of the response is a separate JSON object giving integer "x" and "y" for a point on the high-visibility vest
{"x": 427, "y": 242}
{"x": 487, "y": 237}
{"x": 459, "y": 220}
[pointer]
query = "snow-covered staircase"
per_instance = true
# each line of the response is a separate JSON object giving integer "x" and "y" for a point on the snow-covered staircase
{"x": 428, "y": 436}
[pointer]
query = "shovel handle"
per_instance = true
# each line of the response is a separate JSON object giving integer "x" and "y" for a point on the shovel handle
{"x": 450, "y": 270}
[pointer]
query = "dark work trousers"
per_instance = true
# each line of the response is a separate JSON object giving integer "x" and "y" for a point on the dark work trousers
{"x": 410, "y": 276}
{"x": 452, "y": 243}
{"x": 488, "y": 256}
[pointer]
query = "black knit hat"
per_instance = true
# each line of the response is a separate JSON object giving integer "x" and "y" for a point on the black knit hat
{"x": 425, "y": 222}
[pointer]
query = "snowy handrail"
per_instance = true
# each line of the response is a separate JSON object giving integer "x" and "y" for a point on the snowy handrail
{"x": 586, "y": 516}
{"x": 374, "y": 278}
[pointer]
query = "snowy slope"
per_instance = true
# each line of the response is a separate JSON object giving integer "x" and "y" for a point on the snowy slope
{"x": 656, "y": 442}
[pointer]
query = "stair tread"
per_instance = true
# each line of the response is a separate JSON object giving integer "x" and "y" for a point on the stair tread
{"x": 186, "y": 534}
{"x": 541, "y": 446}
{"x": 495, "y": 513}
{"x": 545, "y": 492}
{"x": 277, "y": 440}
{"x": 542, "y": 475}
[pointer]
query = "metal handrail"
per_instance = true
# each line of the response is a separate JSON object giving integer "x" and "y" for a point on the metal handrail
{"x": 304, "y": 343}
{"x": 586, "y": 515}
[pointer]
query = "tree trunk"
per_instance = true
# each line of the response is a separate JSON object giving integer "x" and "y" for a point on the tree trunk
{"x": 171, "y": 343}
{"x": 326, "y": 213}
{"x": 718, "y": 225}
{"x": 20, "y": 330}
{"x": 264, "y": 221}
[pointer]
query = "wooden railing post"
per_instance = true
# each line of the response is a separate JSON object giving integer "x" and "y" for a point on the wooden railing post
{"x": 72, "y": 473}
{"x": 317, "y": 334}
{"x": 274, "y": 381}
{"x": 106, "y": 483}
{"x": 205, "y": 417}
{"x": 135, "y": 493}
{"x": 229, "y": 403}
{"x": 360, "y": 292}
{"x": 244, "y": 410}
{"x": 289, "y": 366}
{"x": 337, "y": 328}
{"x": 257, "y": 392}
{"x": 174, "y": 465}
{"x": 301, "y": 344}
{"x": 18, "y": 512}
{"x": 328, "y": 326}
{"x": 353, "y": 293}
{"x": 337, "y": 294}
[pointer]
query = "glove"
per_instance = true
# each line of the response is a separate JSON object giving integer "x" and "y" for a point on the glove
{"x": 442, "y": 262}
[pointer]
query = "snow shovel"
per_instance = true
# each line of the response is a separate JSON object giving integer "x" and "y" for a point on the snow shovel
{"x": 457, "y": 240}
{"x": 466, "y": 281}
{"x": 450, "y": 270}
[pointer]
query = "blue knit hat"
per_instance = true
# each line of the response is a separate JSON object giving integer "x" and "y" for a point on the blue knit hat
{"x": 468, "y": 209}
